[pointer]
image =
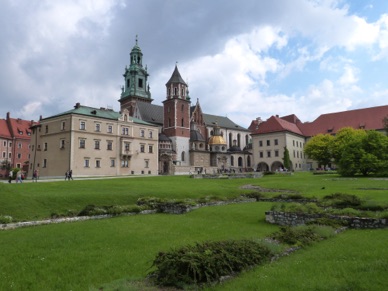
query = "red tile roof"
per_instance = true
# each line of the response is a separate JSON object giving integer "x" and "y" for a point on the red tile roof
{"x": 4, "y": 132}
{"x": 366, "y": 118}
{"x": 276, "y": 124}
{"x": 20, "y": 128}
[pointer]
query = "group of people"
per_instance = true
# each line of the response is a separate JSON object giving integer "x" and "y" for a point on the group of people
{"x": 69, "y": 175}
{"x": 20, "y": 176}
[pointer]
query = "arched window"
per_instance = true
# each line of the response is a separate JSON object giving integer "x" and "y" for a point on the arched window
{"x": 246, "y": 140}
{"x": 182, "y": 122}
{"x": 249, "y": 161}
{"x": 230, "y": 139}
{"x": 232, "y": 161}
{"x": 169, "y": 122}
{"x": 175, "y": 91}
{"x": 183, "y": 156}
{"x": 240, "y": 162}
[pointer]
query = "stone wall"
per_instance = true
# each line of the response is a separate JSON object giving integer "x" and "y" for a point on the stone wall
{"x": 287, "y": 218}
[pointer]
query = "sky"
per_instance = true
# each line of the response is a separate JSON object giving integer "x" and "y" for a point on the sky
{"x": 241, "y": 58}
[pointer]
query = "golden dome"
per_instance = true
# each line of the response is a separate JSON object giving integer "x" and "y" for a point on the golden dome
{"x": 217, "y": 139}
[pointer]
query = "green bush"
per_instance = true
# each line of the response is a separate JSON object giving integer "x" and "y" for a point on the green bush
{"x": 334, "y": 223}
{"x": 372, "y": 206}
{"x": 348, "y": 212}
{"x": 297, "y": 235}
{"x": 206, "y": 262}
{"x": 4, "y": 219}
{"x": 341, "y": 200}
{"x": 91, "y": 210}
{"x": 254, "y": 195}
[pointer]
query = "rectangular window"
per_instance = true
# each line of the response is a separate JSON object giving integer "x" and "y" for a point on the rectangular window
{"x": 98, "y": 127}
{"x": 9, "y": 155}
{"x": 19, "y": 156}
{"x": 109, "y": 145}
{"x": 124, "y": 163}
{"x": 112, "y": 163}
{"x": 18, "y": 166}
{"x": 45, "y": 146}
{"x": 140, "y": 83}
{"x": 5, "y": 143}
{"x": 276, "y": 142}
{"x": 86, "y": 163}
{"x": 147, "y": 162}
{"x": 62, "y": 143}
{"x": 276, "y": 153}
{"x": 293, "y": 143}
{"x": 127, "y": 146}
{"x": 19, "y": 145}
{"x": 268, "y": 154}
{"x": 110, "y": 129}
{"x": 261, "y": 154}
{"x": 150, "y": 149}
{"x": 142, "y": 148}
{"x": 260, "y": 143}
{"x": 46, "y": 129}
{"x": 150, "y": 134}
{"x": 268, "y": 142}
{"x": 10, "y": 144}
{"x": 98, "y": 164}
{"x": 4, "y": 155}
{"x": 125, "y": 131}
{"x": 63, "y": 125}
{"x": 44, "y": 163}
{"x": 142, "y": 133}
{"x": 96, "y": 144}
{"x": 81, "y": 143}
{"x": 82, "y": 125}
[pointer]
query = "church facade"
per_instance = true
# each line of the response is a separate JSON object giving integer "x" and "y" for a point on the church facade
{"x": 189, "y": 140}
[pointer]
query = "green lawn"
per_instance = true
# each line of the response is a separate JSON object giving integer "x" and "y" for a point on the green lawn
{"x": 91, "y": 254}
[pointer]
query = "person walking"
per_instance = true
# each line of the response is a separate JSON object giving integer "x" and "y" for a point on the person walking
{"x": 19, "y": 177}
{"x": 67, "y": 175}
{"x": 35, "y": 176}
{"x": 70, "y": 175}
{"x": 10, "y": 176}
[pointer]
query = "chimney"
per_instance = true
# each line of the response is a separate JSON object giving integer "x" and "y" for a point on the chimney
{"x": 277, "y": 115}
{"x": 8, "y": 115}
{"x": 77, "y": 105}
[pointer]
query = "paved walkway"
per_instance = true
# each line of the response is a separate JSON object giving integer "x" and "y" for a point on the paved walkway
{"x": 77, "y": 178}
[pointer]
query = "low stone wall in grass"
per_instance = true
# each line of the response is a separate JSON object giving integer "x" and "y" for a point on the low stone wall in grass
{"x": 288, "y": 218}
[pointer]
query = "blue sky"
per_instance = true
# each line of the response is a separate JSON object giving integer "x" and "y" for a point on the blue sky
{"x": 242, "y": 59}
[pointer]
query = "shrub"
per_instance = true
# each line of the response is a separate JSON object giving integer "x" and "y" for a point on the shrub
{"x": 341, "y": 200}
{"x": 298, "y": 235}
{"x": 372, "y": 206}
{"x": 334, "y": 223}
{"x": 4, "y": 219}
{"x": 206, "y": 262}
{"x": 254, "y": 195}
{"x": 91, "y": 210}
{"x": 347, "y": 212}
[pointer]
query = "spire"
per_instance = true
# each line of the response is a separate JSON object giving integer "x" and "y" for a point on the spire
{"x": 176, "y": 77}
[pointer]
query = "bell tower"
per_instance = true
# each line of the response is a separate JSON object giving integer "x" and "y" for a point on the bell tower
{"x": 176, "y": 117}
{"x": 136, "y": 87}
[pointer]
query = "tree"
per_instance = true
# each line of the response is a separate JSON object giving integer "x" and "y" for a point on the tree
{"x": 385, "y": 123}
{"x": 360, "y": 151}
{"x": 319, "y": 148}
{"x": 286, "y": 159}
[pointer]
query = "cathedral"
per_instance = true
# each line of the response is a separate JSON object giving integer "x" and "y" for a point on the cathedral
{"x": 190, "y": 141}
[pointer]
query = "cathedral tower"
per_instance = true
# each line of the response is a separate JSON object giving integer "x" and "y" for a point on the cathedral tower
{"x": 136, "y": 87}
{"x": 176, "y": 116}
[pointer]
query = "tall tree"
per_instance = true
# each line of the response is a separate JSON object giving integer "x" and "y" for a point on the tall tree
{"x": 319, "y": 148}
{"x": 286, "y": 159}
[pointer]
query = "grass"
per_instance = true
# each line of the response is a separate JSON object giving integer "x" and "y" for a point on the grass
{"x": 80, "y": 255}
{"x": 354, "y": 260}
{"x": 113, "y": 252}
